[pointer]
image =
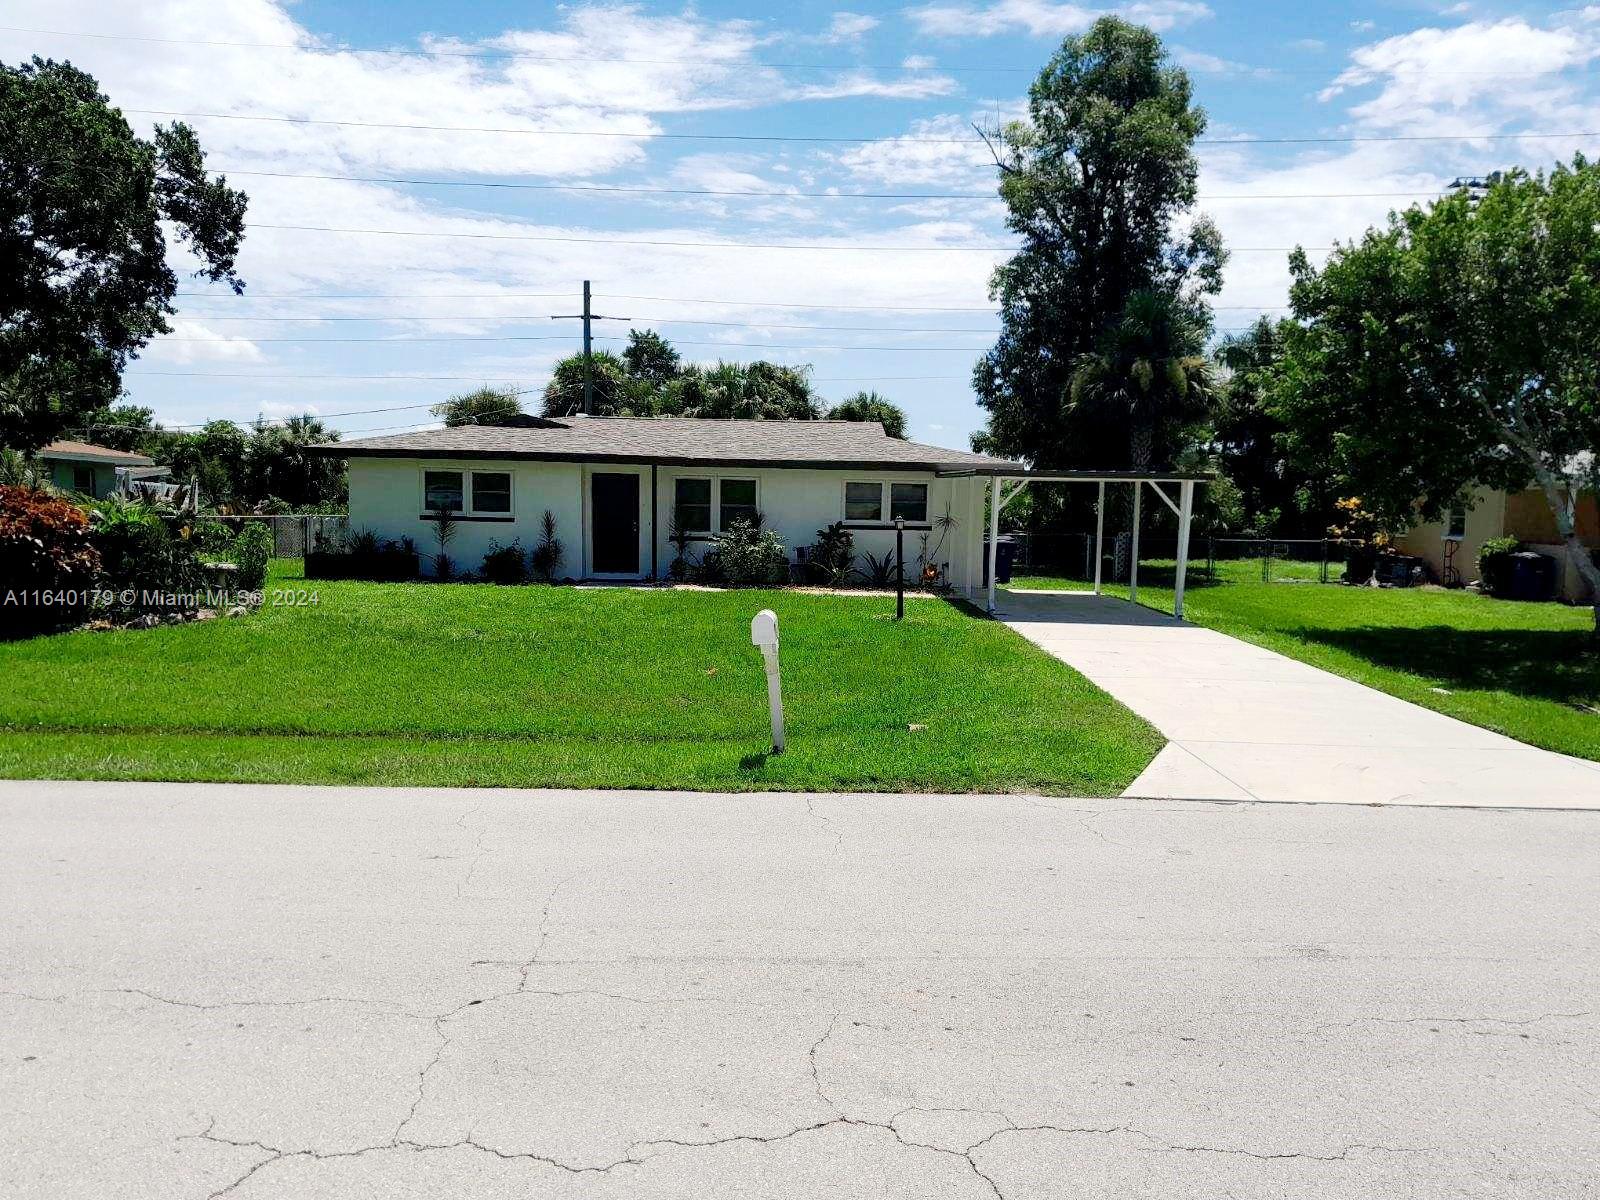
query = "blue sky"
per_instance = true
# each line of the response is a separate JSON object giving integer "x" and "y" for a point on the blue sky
{"x": 884, "y": 293}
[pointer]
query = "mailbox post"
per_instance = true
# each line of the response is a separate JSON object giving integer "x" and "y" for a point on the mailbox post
{"x": 764, "y": 636}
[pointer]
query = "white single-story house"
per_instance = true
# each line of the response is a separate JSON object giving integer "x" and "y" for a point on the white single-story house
{"x": 613, "y": 484}
{"x": 92, "y": 470}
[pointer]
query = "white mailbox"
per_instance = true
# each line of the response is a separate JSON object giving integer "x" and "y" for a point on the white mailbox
{"x": 764, "y": 636}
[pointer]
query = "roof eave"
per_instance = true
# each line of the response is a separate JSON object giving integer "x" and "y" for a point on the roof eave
{"x": 336, "y": 450}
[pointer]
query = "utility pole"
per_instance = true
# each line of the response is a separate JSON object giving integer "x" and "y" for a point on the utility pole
{"x": 587, "y": 316}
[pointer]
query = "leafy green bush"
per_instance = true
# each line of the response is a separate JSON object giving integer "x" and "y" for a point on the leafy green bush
{"x": 505, "y": 564}
{"x": 212, "y": 537}
{"x": 1494, "y": 565}
{"x": 748, "y": 554}
{"x": 251, "y": 551}
{"x": 142, "y": 560}
{"x": 45, "y": 548}
{"x": 831, "y": 556}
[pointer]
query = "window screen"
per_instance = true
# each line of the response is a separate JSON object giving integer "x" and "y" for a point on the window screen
{"x": 692, "y": 504}
{"x": 491, "y": 491}
{"x": 738, "y": 501}
{"x": 442, "y": 489}
{"x": 908, "y": 500}
{"x": 863, "y": 502}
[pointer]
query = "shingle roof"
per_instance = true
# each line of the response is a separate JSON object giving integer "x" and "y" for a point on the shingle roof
{"x": 674, "y": 441}
{"x": 91, "y": 453}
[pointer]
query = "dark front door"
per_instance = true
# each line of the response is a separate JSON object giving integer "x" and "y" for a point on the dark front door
{"x": 614, "y": 502}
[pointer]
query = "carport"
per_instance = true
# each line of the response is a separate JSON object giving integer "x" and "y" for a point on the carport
{"x": 998, "y": 490}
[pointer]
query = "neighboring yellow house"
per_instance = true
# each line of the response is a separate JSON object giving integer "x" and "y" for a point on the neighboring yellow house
{"x": 1523, "y": 515}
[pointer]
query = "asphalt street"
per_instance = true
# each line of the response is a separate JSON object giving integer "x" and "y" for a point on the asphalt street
{"x": 286, "y": 992}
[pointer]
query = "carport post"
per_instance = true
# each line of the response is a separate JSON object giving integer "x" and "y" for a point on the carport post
{"x": 1099, "y": 535}
{"x": 994, "y": 534}
{"x": 1185, "y": 512}
{"x": 1133, "y": 553}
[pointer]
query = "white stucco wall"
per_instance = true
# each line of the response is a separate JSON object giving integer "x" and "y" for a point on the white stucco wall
{"x": 386, "y": 498}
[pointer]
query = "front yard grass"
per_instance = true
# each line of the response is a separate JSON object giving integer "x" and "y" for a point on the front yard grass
{"x": 473, "y": 685}
{"x": 1518, "y": 668}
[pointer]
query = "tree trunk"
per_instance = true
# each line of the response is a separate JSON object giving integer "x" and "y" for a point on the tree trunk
{"x": 1562, "y": 496}
{"x": 1141, "y": 440}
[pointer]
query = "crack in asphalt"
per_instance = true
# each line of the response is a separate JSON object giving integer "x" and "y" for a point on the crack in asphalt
{"x": 825, "y": 822}
{"x": 1556, "y": 1016}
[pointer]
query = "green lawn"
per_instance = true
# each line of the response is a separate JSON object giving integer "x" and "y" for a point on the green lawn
{"x": 1521, "y": 669}
{"x": 532, "y": 686}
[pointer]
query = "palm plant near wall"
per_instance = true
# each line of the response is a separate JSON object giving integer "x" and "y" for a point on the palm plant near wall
{"x": 444, "y": 529}
{"x": 545, "y": 558}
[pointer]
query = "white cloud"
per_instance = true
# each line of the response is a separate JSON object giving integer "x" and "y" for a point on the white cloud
{"x": 1210, "y": 64}
{"x": 1363, "y": 26}
{"x": 1468, "y": 77}
{"x": 1045, "y": 18}
{"x": 849, "y": 26}
{"x": 917, "y": 159}
{"x": 196, "y": 342}
{"x": 917, "y": 62}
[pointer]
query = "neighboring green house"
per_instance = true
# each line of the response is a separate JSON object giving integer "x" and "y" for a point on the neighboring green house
{"x": 92, "y": 470}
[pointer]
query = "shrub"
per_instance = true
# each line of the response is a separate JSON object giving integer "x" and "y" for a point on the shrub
{"x": 252, "y": 550}
{"x": 748, "y": 554}
{"x": 505, "y": 564}
{"x": 545, "y": 558}
{"x": 1495, "y": 563}
{"x": 831, "y": 556}
{"x": 211, "y": 536}
{"x": 879, "y": 572}
{"x": 45, "y": 546}
{"x": 140, "y": 556}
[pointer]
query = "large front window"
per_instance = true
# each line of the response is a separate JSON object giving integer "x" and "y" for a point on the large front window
{"x": 737, "y": 501}
{"x": 863, "y": 502}
{"x": 908, "y": 500}
{"x": 692, "y": 505}
{"x": 491, "y": 491}
{"x": 443, "y": 490}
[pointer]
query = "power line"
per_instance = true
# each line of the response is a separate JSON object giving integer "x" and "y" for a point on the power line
{"x": 621, "y": 241}
{"x": 512, "y": 318}
{"x": 974, "y": 141}
{"x": 334, "y": 378}
{"x": 408, "y": 341}
{"x": 618, "y": 189}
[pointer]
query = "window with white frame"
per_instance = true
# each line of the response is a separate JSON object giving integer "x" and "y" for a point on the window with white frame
{"x": 863, "y": 501}
{"x": 491, "y": 493}
{"x": 691, "y": 504}
{"x": 910, "y": 501}
{"x": 736, "y": 501}
{"x": 444, "y": 489}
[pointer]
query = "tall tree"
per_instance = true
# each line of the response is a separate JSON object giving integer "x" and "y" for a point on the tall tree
{"x": 563, "y": 395}
{"x": 1456, "y": 348}
{"x": 481, "y": 406}
{"x": 1095, "y": 182}
{"x": 651, "y": 358}
{"x": 84, "y": 278}
{"x": 1149, "y": 373}
{"x": 1275, "y": 494}
{"x": 869, "y": 406}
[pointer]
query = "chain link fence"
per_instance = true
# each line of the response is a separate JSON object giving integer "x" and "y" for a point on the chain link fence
{"x": 1070, "y": 556}
{"x": 294, "y": 533}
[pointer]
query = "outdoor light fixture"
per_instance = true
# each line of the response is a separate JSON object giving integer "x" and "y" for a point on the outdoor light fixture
{"x": 764, "y": 635}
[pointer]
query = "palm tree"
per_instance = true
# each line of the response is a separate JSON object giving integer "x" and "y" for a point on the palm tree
{"x": 1150, "y": 370}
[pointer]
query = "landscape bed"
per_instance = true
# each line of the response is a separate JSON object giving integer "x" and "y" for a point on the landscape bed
{"x": 478, "y": 685}
{"x": 1522, "y": 669}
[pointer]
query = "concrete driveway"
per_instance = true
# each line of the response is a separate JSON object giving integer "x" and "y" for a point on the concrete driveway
{"x": 290, "y": 992}
{"x": 1246, "y": 723}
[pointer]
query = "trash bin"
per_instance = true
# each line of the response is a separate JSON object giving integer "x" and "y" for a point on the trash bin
{"x": 1533, "y": 576}
{"x": 1005, "y": 554}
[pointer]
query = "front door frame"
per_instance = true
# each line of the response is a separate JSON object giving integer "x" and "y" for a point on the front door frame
{"x": 589, "y": 522}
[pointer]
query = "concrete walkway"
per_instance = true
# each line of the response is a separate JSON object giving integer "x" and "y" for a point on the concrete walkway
{"x": 1246, "y": 723}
